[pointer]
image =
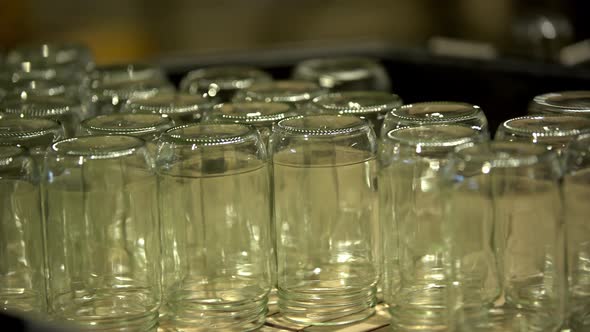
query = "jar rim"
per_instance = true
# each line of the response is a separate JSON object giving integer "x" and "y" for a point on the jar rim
{"x": 131, "y": 124}
{"x": 210, "y": 134}
{"x": 323, "y": 125}
{"x": 358, "y": 102}
{"x": 98, "y": 146}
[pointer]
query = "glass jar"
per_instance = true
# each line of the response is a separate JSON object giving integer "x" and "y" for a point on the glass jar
{"x": 127, "y": 72}
{"x": 63, "y": 110}
{"x": 53, "y": 54}
{"x": 260, "y": 115}
{"x": 109, "y": 97}
{"x": 326, "y": 218}
{"x": 22, "y": 266}
{"x": 148, "y": 127}
{"x": 370, "y": 105}
{"x": 513, "y": 186}
{"x": 436, "y": 112}
{"x": 554, "y": 131}
{"x": 35, "y": 134}
{"x": 412, "y": 217}
{"x": 576, "y": 189}
{"x": 564, "y": 103}
{"x": 182, "y": 108}
{"x": 222, "y": 82}
{"x": 216, "y": 219}
{"x": 295, "y": 93}
{"x": 344, "y": 73}
{"x": 103, "y": 237}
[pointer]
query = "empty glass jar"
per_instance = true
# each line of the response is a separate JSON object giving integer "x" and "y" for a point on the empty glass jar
{"x": 295, "y": 93}
{"x": 259, "y": 114}
{"x": 35, "y": 134}
{"x": 149, "y": 127}
{"x": 513, "y": 186}
{"x": 182, "y": 108}
{"x": 436, "y": 112}
{"x": 222, "y": 82}
{"x": 344, "y": 73}
{"x": 216, "y": 217}
{"x": 111, "y": 86}
{"x": 554, "y": 131}
{"x": 564, "y": 103}
{"x": 576, "y": 190}
{"x": 327, "y": 225}
{"x": 22, "y": 268}
{"x": 412, "y": 216}
{"x": 370, "y": 105}
{"x": 63, "y": 110}
{"x": 103, "y": 237}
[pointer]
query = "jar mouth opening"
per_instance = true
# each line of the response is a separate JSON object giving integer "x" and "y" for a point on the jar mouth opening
{"x": 125, "y": 72}
{"x": 547, "y": 126}
{"x": 504, "y": 154}
{"x": 169, "y": 103}
{"x": 34, "y": 105}
{"x": 568, "y": 101}
{"x": 212, "y": 134}
{"x": 283, "y": 91}
{"x": 252, "y": 112}
{"x": 358, "y": 102}
{"x": 98, "y": 146}
{"x": 323, "y": 125}
{"x": 132, "y": 124}
{"x": 434, "y": 136}
{"x": 225, "y": 77}
{"x": 436, "y": 112}
{"x": 27, "y": 127}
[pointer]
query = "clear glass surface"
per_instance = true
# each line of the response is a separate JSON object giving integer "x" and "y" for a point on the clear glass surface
{"x": 112, "y": 85}
{"x": 63, "y": 110}
{"x": 293, "y": 92}
{"x": 513, "y": 186}
{"x": 370, "y": 105}
{"x": 436, "y": 112}
{"x": 182, "y": 108}
{"x": 53, "y": 54}
{"x": 326, "y": 218}
{"x": 258, "y": 114}
{"x": 222, "y": 82}
{"x": 553, "y": 131}
{"x": 216, "y": 218}
{"x": 344, "y": 73}
{"x": 413, "y": 224}
{"x": 22, "y": 268}
{"x": 576, "y": 190}
{"x": 575, "y": 103}
{"x": 35, "y": 134}
{"x": 103, "y": 248}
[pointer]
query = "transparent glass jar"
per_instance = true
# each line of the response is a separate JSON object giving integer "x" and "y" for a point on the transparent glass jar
{"x": 370, "y": 105}
{"x": 182, "y": 108}
{"x": 261, "y": 115}
{"x": 103, "y": 237}
{"x": 48, "y": 61}
{"x": 344, "y": 73}
{"x": 22, "y": 266}
{"x": 53, "y": 54}
{"x": 295, "y": 93}
{"x": 148, "y": 127}
{"x": 554, "y": 131}
{"x": 222, "y": 82}
{"x": 436, "y": 112}
{"x": 216, "y": 217}
{"x": 32, "y": 133}
{"x": 326, "y": 215}
{"x": 63, "y": 110}
{"x": 576, "y": 190}
{"x": 412, "y": 220}
{"x": 109, "y": 96}
{"x": 575, "y": 103}
{"x": 127, "y": 72}
{"x": 513, "y": 186}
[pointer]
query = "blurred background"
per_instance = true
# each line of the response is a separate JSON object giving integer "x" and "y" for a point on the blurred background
{"x": 130, "y": 30}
